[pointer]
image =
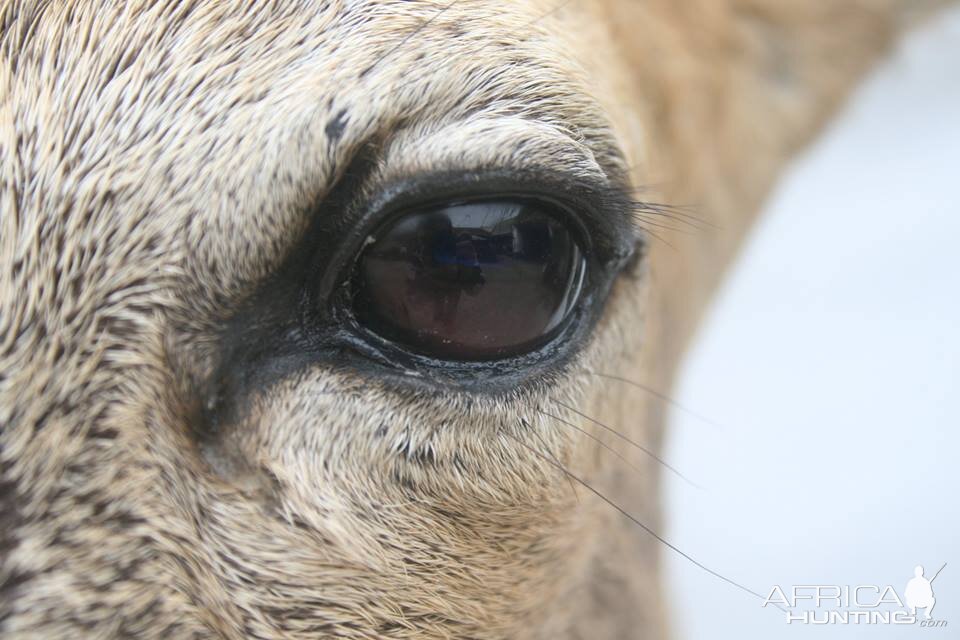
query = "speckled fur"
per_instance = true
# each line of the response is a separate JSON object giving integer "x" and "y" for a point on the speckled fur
{"x": 158, "y": 160}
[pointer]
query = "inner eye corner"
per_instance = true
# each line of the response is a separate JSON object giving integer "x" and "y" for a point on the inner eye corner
{"x": 470, "y": 279}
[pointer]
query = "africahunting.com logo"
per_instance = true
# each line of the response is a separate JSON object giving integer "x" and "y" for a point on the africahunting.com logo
{"x": 859, "y": 604}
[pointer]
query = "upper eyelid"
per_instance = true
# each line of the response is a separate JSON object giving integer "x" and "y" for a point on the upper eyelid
{"x": 484, "y": 141}
{"x": 486, "y": 145}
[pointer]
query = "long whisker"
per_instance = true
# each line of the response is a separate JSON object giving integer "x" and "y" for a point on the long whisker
{"x": 658, "y": 237}
{"x": 595, "y": 439}
{"x": 639, "y": 446}
{"x": 560, "y": 5}
{"x": 635, "y": 520}
{"x": 407, "y": 38}
{"x": 546, "y": 449}
{"x": 657, "y": 394}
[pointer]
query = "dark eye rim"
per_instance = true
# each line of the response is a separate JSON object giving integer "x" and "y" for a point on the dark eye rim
{"x": 598, "y": 215}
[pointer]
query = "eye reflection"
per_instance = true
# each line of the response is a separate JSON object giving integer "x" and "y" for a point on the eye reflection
{"x": 470, "y": 281}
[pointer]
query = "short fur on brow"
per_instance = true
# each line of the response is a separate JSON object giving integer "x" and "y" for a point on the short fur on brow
{"x": 159, "y": 160}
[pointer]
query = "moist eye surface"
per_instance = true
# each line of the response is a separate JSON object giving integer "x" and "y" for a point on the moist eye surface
{"x": 472, "y": 280}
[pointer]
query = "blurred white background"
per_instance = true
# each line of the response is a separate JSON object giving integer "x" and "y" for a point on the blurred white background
{"x": 832, "y": 360}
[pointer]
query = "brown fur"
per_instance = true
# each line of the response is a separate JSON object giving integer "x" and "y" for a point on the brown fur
{"x": 158, "y": 161}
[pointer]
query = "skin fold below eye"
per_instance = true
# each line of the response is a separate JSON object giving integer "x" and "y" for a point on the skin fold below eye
{"x": 470, "y": 281}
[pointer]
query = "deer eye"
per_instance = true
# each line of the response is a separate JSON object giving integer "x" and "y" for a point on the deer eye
{"x": 470, "y": 280}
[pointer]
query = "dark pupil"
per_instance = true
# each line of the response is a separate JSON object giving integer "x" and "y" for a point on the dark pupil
{"x": 470, "y": 281}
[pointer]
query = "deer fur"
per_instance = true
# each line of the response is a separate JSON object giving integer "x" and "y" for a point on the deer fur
{"x": 159, "y": 160}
